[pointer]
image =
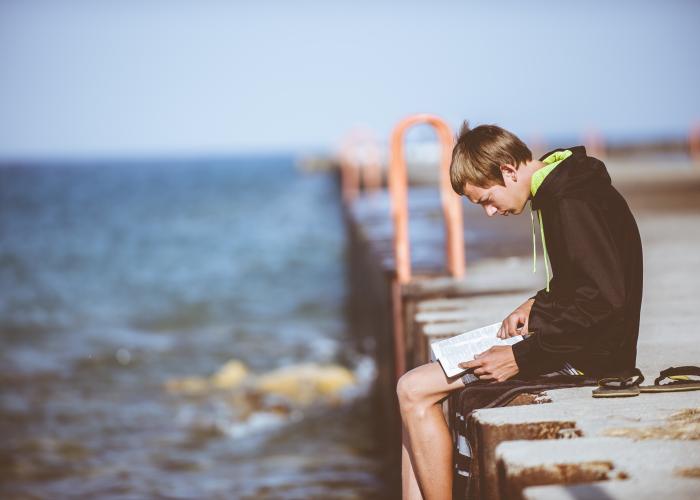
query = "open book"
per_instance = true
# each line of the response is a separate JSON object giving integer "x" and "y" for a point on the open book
{"x": 463, "y": 347}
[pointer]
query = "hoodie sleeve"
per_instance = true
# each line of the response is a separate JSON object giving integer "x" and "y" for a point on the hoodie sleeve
{"x": 591, "y": 294}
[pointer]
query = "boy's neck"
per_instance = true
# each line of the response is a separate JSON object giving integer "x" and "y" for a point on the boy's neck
{"x": 530, "y": 168}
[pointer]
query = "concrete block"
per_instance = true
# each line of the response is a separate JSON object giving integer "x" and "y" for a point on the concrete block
{"x": 573, "y": 413}
{"x": 649, "y": 488}
{"x": 522, "y": 464}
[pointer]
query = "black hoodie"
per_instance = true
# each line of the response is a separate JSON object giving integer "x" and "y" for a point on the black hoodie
{"x": 590, "y": 316}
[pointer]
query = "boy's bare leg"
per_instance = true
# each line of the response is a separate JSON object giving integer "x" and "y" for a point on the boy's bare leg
{"x": 409, "y": 483}
{"x": 427, "y": 445}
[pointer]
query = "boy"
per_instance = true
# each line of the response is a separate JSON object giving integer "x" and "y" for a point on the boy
{"x": 585, "y": 320}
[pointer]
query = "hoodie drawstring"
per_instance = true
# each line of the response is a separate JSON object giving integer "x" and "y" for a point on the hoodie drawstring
{"x": 538, "y": 177}
{"x": 534, "y": 246}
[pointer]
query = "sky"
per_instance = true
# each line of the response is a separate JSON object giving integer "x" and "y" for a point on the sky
{"x": 167, "y": 77}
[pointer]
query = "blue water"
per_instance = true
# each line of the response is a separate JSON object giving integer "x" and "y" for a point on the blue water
{"x": 118, "y": 277}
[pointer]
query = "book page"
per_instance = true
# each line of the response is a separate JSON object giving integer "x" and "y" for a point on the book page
{"x": 465, "y": 346}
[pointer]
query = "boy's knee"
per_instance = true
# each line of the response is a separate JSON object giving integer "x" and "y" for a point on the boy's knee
{"x": 408, "y": 390}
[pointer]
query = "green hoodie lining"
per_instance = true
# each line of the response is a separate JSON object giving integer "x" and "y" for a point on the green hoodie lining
{"x": 551, "y": 161}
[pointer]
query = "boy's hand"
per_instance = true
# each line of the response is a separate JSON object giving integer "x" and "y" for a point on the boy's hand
{"x": 497, "y": 364}
{"x": 516, "y": 320}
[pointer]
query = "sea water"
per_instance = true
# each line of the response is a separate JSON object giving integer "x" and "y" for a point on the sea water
{"x": 127, "y": 288}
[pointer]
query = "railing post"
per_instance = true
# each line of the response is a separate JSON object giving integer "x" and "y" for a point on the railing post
{"x": 357, "y": 173}
{"x": 452, "y": 213}
{"x": 694, "y": 143}
{"x": 349, "y": 175}
{"x": 371, "y": 167}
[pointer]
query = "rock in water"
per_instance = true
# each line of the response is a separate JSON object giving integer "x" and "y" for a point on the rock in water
{"x": 300, "y": 385}
{"x": 188, "y": 385}
{"x": 230, "y": 375}
{"x": 308, "y": 383}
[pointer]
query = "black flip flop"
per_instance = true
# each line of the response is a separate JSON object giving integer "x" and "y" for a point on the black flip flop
{"x": 619, "y": 386}
{"x": 677, "y": 383}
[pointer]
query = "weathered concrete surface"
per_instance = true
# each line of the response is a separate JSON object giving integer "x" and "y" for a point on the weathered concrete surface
{"x": 648, "y": 488}
{"x": 671, "y": 301}
{"x": 577, "y": 415}
{"x": 595, "y": 416}
{"x": 486, "y": 276}
{"x": 655, "y": 185}
{"x": 665, "y": 198}
{"x": 527, "y": 463}
{"x": 441, "y": 318}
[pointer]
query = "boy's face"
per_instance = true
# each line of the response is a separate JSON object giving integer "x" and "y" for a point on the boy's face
{"x": 501, "y": 200}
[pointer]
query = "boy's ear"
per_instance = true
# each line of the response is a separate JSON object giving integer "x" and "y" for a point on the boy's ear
{"x": 509, "y": 171}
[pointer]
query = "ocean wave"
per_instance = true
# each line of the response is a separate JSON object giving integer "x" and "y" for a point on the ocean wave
{"x": 239, "y": 403}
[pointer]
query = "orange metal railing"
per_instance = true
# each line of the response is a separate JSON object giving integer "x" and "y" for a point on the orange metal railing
{"x": 452, "y": 212}
{"x": 451, "y": 203}
{"x": 360, "y": 164}
{"x": 694, "y": 143}
{"x": 349, "y": 175}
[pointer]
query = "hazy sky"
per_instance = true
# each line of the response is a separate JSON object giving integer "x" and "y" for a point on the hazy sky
{"x": 167, "y": 77}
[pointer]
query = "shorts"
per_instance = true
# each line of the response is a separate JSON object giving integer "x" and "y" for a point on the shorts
{"x": 468, "y": 378}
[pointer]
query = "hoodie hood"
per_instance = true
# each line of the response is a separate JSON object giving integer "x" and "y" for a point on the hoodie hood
{"x": 576, "y": 176}
{"x": 551, "y": 163}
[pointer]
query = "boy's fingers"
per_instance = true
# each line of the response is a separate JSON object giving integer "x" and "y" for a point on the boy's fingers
{"x": 480, "y": 371}
{"x": 470, "y": 364}
{"x": 512, "y": 325}
{"x": 504, "y": 328}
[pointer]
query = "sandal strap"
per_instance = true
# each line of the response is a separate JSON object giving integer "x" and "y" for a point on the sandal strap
{"x": 675, "y": 371}
{"x": 622, "y": 381}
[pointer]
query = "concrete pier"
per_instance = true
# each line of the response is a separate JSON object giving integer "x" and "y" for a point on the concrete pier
{"x": 523, "y": 464}
{"x": 573, "y": 416}
{"x": 648, "y": 488}
{"x": 540, "y": 450}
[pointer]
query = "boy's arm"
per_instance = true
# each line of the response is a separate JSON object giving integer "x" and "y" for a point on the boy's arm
{"x": 565, "y": 325}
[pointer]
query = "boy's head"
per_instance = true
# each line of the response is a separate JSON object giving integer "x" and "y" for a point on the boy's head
{"x": 486, "y": 168}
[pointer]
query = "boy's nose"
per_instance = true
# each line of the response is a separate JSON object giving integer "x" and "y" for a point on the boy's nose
{"x": 490, "y": 210}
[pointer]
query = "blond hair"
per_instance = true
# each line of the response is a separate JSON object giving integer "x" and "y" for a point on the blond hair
{"x": 479, "y": 153}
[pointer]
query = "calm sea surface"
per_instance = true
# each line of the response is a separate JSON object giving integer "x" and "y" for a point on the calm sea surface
{"x": 125, "y": 288}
